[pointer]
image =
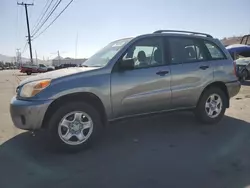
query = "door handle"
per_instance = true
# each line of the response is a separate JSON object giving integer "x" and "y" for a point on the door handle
{"x": 204, "y": 67}
{"x": 162, "y": 73}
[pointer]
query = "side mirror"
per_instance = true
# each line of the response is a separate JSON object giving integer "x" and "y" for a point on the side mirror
{"x": 127, "y": 64}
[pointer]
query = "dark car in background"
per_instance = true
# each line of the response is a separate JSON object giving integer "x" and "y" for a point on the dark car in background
{"x": 1, "y": 66}
{"x": 50, "y": 68}
{"x": 66, "y": 65}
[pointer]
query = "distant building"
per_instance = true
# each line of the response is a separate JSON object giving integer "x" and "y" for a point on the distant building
{"x": 59, "y": 60}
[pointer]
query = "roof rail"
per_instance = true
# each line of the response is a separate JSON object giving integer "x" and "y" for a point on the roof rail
{"x": 177, "y": 31}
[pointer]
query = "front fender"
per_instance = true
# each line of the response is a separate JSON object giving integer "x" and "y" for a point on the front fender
{"x": 73, "y": 91}
{"x": 98, "y": 85}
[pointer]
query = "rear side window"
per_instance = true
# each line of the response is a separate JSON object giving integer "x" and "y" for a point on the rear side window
{"x": 186, "y": 50}
{"x": 214, "y": 51}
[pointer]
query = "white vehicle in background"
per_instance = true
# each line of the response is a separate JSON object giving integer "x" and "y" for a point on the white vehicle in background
{"x": 243, "y": 68}
{"x": 42, "y": 68}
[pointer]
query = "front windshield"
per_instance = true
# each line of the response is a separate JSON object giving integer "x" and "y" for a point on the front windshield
{"x": 102, "y": 57}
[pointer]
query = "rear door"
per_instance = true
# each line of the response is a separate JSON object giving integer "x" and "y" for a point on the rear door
{"x": 222, "y": 66}
{"x": 190, "y": 70}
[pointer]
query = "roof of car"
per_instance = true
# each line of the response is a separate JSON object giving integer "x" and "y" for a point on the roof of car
{"x": 176, "y": 33}
{"x": 185, "y": 32}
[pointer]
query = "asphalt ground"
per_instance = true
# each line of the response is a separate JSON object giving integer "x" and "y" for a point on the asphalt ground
{"x": 170, "y": 150}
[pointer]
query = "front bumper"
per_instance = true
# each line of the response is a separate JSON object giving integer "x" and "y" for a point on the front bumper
{"x": 28, "y": 115}
{"x": 233, "y": 88}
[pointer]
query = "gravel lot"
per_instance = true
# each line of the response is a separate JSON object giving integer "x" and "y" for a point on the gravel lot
{"x": 170, "y": 150}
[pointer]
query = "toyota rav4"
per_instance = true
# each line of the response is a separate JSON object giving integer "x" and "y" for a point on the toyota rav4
{"x": 159, "y": 72}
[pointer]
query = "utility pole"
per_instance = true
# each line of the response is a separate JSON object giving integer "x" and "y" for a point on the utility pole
{"x": 59, "y": 58}
{"x": 28, "y": 27}
{"x": 18, "y": 56}
{"x": 36, "y": 58}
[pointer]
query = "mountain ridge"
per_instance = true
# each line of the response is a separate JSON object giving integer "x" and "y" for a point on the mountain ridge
{"x": 5, "y": 58}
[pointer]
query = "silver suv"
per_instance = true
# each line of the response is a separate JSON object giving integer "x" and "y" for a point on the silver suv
{"x": 159, "y": 72}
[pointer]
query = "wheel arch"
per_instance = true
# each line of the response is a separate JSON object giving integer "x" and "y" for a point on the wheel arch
{"x": 220, "y": 85}
{"x": 87, "y": 97}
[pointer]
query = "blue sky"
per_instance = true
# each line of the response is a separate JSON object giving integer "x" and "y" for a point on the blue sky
{"x": 99, "y": 22}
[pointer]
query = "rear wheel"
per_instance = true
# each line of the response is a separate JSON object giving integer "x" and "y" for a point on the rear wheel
{"x": 211, "y": 106}
{"x": 74, "y": 126}
{"x": 28, "y": 73}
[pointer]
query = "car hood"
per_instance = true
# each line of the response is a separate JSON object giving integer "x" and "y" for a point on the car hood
{"x": 57, "y": 74}
{"x": 242, "y": 63}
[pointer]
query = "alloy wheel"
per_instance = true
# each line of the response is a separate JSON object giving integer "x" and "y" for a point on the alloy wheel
{"x": 213, "y": 106}
{"x": 75, "y": 128}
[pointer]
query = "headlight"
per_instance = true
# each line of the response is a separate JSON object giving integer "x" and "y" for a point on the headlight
{"x": 33, "y": 88}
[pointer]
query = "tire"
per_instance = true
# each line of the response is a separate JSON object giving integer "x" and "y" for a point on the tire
{"x": 201, "y": 112}
{"x": 56, "y": 141}
{"x": 28, "y": 73}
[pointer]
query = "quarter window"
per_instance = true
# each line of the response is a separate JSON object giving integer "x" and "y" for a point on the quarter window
{"x": 185, "y": 50}
{"x": 214, "y": 51}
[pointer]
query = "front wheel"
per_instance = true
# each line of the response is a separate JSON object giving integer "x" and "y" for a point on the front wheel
{"x": 28, "y": 73}
{"x": 74, "y": 126}
{"x": 211, "y": 106}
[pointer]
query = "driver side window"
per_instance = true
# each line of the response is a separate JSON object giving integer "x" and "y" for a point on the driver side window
{"x": 146, "y": 53}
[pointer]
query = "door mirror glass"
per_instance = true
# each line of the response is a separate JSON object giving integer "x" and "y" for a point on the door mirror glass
{"x": 126, "y": 64}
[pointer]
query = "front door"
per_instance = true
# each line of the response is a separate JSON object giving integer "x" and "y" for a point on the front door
{"x": 146, "y": 87}
{"x": 191, "y": 70}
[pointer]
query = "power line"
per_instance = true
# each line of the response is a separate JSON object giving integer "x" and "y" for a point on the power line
{"x": 25, "y": 47}
{"x": 17, "y": 26}
{"x": 43, "y": 13}
{"x": 18, "y": 32}
{"x": 54, "y": 20}
{"x": 19, "y": 15}
{"x": 51, "y": 12}
{"x": 28, "y": 27}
